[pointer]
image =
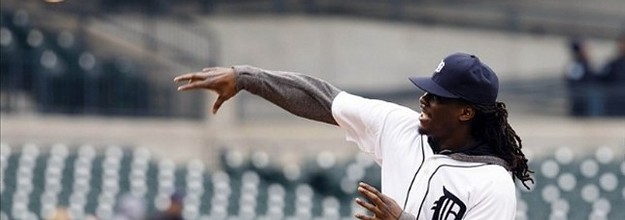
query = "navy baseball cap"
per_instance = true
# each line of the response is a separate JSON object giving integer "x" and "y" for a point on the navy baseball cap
{"x": 464, "y": 76}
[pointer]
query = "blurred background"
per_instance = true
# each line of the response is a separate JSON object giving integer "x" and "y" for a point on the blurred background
{"x": 92, "y": 126}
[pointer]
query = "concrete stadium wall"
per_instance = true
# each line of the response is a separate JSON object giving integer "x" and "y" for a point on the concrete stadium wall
{"x": 377, "y": 55}
{"x": 352, "y": 53}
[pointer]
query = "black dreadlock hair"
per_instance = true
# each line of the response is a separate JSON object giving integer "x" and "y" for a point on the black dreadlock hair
{"x": 491, "y": 126}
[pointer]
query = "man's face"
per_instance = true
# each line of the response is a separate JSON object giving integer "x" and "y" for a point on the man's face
{"x": 439, "y": 116}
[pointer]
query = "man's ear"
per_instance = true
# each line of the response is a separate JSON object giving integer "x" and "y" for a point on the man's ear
{"x": 467, "y": 113}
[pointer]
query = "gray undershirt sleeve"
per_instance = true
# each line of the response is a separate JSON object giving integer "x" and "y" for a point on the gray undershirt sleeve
{"x": 302, "y": 95}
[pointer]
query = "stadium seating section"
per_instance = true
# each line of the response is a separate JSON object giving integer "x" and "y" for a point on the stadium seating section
{"x": 92, "y": 181}
{"x": 60, "y": 73}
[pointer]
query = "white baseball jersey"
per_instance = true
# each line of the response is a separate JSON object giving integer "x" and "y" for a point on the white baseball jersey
{"x": 427, "y": 185}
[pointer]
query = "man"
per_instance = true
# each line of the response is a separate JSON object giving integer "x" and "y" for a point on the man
{"x": 174, "y": 210}
{"x": 457, "y": 159}
{"x": 580, "y": 78}
{"x": 614, "y": 70}
{"x": 612, "y": 79}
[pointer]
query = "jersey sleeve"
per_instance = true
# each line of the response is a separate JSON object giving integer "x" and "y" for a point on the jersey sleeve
{"x": 495, "y": 201}
{"x": 371, "y": 123}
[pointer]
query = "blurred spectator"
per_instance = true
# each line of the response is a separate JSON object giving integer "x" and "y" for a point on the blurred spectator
{"x": 612, "y": 77}
{"x": 129, "y": 208}
{"x": 580, "y": 77}
{"x": 174, "y": 211}
{"x": 615, "y": 69}
{"x": 60, "y": 214}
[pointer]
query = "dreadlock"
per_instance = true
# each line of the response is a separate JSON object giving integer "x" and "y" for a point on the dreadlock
{"x": 491, "y": 126}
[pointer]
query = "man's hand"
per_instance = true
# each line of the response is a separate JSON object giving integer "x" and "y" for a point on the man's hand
{"x": 383, "y": 207}
{"x": 219, "y": 79}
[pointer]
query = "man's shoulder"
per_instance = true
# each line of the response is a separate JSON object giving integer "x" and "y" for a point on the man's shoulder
{"x": 346, "y": 102}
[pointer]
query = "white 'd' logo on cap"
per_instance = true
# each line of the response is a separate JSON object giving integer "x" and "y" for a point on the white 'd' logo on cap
{"x": 440, "y": 66}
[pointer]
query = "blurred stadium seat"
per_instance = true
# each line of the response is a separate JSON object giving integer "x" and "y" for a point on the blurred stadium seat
{"x": 88, "y": 181}
{"x": 60, "y": 73}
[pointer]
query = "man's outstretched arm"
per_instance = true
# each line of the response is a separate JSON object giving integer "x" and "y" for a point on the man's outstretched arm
{"x": 302, "y": 95}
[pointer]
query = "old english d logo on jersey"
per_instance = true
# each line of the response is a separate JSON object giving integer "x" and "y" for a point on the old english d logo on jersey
{"x": 448, "y": 207}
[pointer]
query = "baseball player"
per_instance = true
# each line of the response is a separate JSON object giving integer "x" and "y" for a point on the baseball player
{"x": 456, "y": 159}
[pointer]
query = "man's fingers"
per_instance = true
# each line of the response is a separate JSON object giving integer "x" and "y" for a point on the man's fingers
{"x": 190, "y": 86}
{"x": 373, "y": 190}
{"x": 189, "y": 76}
{"x": 368, "y": 206}
{"x": 364, "y": 217}
{"x": 217, "y": 105}
{"x": 371, "y": 196}
{"x": 183, "y": 77}
{"x": 369, "y": 188}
